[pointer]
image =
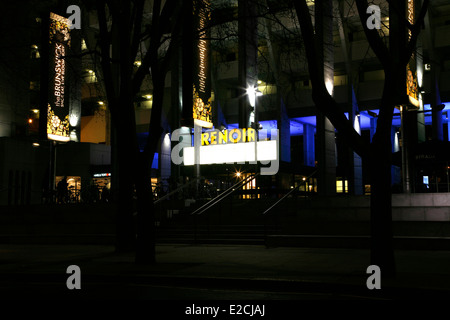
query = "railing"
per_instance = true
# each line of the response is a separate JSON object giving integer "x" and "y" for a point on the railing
{"x": 265, "y": 213}
{"x": 176, "y": 190}
{"x": 196, "y": 213}
{"x": 289, "y": 193}
{"x": 224, "y": 194}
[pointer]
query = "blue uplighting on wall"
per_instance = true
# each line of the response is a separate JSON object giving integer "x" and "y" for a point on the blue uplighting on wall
{"x": 142, "y": 140}
{"x": 155, "y": 161}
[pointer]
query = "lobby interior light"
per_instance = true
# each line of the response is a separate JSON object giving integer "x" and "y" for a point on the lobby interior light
{"x": 330, "y": 86}
{"x": 35, "y": 110}
{"x": 148, "y": 96}
{"x": 101, "y": 103}
{"x": 73, "y": 120}
{"x": 137, "y": 63}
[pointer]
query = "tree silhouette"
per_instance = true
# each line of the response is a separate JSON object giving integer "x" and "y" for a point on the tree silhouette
{"x": 394, "y": 59}
{"x": 129, "y": 31}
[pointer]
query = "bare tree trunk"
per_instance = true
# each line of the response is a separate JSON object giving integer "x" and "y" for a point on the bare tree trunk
{"x": 382, "y": 252}
{"x": 126, "y": 143}
{"x": 146, "y": 229}
{"x": 125, "y": 206}
{"x": 382, "y": 246}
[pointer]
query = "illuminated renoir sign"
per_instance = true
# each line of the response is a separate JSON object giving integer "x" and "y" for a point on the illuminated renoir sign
{"x": 228, "y": 136}
{"x": 228, "y": 147}
{"x": 58, "y": 110}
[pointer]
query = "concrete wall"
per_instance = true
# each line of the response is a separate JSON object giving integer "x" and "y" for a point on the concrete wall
{"x": 405, "y": 207}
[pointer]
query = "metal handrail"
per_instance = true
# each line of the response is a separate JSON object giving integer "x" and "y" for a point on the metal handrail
{"x": 176, "y": 190}
{"x": 224, "y": 194}
{"x": 287, "y": 194}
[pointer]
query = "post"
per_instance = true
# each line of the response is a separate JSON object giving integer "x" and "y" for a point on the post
{"x": 197, "y": 144}
{"x": 405, "y": 160}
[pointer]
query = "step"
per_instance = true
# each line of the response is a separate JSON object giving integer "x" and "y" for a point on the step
{"x": 107, "y": 239}
{"x": 193, "y": 240}
{"x": 356, "y": 242}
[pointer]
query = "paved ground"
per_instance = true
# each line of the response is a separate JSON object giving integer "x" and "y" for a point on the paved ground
{"x": 217, "y": 272}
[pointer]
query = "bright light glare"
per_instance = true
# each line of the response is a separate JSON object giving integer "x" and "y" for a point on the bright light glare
{"x": 251, "y": 92}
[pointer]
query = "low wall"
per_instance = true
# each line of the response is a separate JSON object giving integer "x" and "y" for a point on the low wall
{"x": 405, "y": 207}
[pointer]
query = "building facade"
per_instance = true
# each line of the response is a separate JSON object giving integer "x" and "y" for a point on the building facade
{"x": 250, "y": 72}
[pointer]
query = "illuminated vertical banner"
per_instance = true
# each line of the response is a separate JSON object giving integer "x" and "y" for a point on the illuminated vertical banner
{"x": 412, "y": 89}
{"x": 58, "y": 108}
{"x": 202, "y": 113}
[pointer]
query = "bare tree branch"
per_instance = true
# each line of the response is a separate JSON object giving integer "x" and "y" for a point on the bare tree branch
{"x": 105, "y": 57}
{"x": 377, "y": 44}
{"x": 323, "y": 100}
{"x": 138, "y": 9}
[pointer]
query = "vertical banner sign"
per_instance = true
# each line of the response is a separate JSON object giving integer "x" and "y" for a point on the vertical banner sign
{"x": 202, "y": 113}
{"x": 411, "y": 69}
{"x": 58, "y": 108}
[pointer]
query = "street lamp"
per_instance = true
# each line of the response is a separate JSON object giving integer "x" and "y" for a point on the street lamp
{"x": 252, "y": 93}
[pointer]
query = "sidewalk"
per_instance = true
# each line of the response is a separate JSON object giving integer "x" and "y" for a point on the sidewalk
{"x": 250, "y": 267}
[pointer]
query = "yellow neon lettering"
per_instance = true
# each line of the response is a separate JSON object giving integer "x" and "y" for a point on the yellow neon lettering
{"x": 205, "y": 138}
{"x": 231, "y": 139}
{"x": 250, "y": 135}
{"x": 223, "y": 137}
{"x": 214, "y": 137}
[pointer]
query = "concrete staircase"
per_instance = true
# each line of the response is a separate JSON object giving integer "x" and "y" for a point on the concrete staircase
{"x": 212, "y": 234}
{"x": 231, "y": 221}
{"x": 419, "y": 221}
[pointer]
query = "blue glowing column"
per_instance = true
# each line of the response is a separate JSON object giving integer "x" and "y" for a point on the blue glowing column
{"x": 373, "y": 127}
{"x": 396, "y": 174}
{"x": 436, "y": 115}
{"x": 356, "y": 179}
{"x": 284, "y": 127}
{"x": 165, "y": 161}
{"x": 309, "y": 154}
{"x": 448, "y": 127}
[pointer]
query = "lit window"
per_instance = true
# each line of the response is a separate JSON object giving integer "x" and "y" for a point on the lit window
{"x": 35, "y": 52}
{"x": 91, "y": 76}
